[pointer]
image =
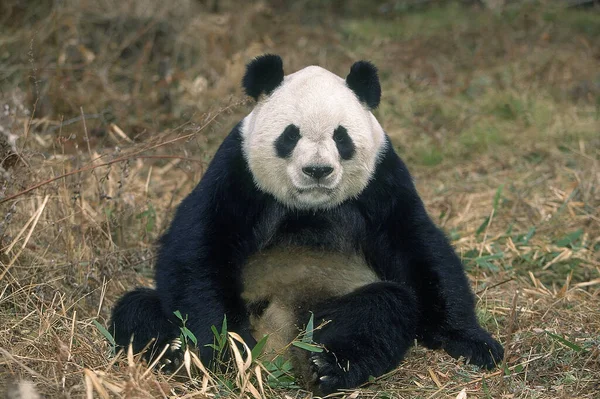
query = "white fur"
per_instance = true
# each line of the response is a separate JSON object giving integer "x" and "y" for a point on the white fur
{"x": 289, "y": 277}
{"x": 317, "y": 101}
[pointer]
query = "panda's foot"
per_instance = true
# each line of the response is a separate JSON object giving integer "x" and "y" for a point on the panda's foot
{"x": 170, "y": 362}
{"x": 329, "y": 374}
{"x": 477, "y": 348}
{"x": 354, "y": 351}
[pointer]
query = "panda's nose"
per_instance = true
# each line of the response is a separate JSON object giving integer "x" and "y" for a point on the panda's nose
{"x": 317, "y": 172}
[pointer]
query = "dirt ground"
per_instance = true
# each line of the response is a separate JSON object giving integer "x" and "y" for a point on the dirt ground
{"x": 111, "y": 111}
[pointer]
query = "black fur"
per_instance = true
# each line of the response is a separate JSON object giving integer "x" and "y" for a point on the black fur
{"x": 364, "y": 82}
{"x": 370, "y": 331}
{"x": 257, "y": 308}
{"x": 145, "y": 318}
{"x": 286, "y": 142}
{"x": 263, "y": 75}
{"x": 425, "y": 295}
{"x": 344, "y": 143}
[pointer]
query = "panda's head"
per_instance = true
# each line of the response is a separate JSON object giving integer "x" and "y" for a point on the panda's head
{"x": 311, "y": 141}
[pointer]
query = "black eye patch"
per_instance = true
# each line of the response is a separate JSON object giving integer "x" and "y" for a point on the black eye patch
{"x": 344, "y": 143}
{"x": 286, "y": 142}
{"x": 257, "y": 308}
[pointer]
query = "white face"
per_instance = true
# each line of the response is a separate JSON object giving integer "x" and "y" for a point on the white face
{"x": 312, "y": 143}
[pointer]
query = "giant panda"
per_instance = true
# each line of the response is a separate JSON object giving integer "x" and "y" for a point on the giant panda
{"x": 306, "y": 209}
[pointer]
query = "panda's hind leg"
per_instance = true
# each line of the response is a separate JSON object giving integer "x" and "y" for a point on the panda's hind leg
{"x": 137, "y": 318}
{"x": 367, "y": 333}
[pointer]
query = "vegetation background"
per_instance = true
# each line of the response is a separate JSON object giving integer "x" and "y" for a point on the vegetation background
{"x": 111, "y": 111}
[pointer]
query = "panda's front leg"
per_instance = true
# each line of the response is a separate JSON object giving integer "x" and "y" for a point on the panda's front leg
{"x": 446, "y": 302}
{"x": 367, "y": 333}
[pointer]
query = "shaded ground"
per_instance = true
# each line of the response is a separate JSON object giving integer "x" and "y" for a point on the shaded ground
{"x": 496, "y": 113}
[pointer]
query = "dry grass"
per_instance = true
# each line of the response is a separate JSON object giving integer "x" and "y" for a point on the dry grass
{"x": 113, "y": 109}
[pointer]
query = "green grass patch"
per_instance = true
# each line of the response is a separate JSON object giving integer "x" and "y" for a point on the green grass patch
{"x": 586, "y": 22}
{"x": 430, "y": 156}
{"x": 423, "y": 24}
{"x": 480, "y": 137}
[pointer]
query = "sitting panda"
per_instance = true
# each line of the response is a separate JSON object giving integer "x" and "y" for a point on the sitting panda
{"x": 307, "y": 209}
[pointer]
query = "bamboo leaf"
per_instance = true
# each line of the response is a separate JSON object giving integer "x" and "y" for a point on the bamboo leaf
{"x": 565, "y": 342}
{"x": 307, "y": 346}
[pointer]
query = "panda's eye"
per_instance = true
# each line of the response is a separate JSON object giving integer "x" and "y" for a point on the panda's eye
{"x": 292, "y": 133}
{"x": 286, "y": 142}
{"x": 344, "y": 143}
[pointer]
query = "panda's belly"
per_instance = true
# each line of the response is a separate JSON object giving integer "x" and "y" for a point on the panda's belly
{"x": 281, "y": 284}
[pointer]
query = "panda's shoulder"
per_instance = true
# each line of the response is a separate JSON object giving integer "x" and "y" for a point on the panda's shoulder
{"x": 390, "y": 173}
{"x": 229, "y": 157}
{"x": 225, "y": 189}
{"x": 391, "y": 186}
{"x": 227, "y": 174}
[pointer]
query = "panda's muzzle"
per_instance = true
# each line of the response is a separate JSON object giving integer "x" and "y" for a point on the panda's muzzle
{"x": 317, "y": 171}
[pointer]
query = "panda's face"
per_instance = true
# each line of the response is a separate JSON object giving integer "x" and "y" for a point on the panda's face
{"x": 313, "y": 162}
{"x": 311, "y": 143}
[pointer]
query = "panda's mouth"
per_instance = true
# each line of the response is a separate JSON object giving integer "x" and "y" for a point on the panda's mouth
{"x": 314, "y": 192}
{"x": 313, "y": 196}
{"x": 315, "y": 189}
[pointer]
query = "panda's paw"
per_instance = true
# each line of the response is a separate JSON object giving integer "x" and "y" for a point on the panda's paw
{"x": 328, "y": 373}
{"x": 171, "y": 361}
{"x": 479, "y": 349}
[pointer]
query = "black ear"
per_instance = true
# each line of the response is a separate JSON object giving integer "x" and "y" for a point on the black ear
{"x": 364, "y": 82}
{"x": 263, "y": 75}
